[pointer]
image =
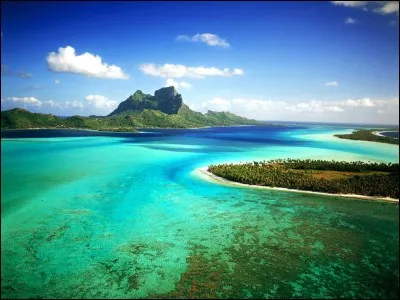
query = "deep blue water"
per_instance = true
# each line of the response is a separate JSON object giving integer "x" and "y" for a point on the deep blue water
{"x": 393, "y": 134}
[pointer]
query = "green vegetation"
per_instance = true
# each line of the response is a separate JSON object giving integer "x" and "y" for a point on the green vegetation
{"x": 185, "y": 118}
{"x": 18, "y": 118}
{"x": 369, "y": 179}
{"x": 367, "y": 135}
{"x": 164, "y": 110}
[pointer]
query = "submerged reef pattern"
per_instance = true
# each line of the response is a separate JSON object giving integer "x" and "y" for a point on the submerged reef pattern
{"x": 254, "y": 248}
{"x": 107, "y": 217}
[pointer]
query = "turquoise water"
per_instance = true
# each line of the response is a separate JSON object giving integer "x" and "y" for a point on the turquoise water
{"x": 128, "y": 216}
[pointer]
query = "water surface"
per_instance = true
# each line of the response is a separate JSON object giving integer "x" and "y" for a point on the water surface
{"x": 124, "y": 215}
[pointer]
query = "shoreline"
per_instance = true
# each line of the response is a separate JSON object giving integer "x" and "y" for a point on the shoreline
{"x": 379, "y": 133}
{"x": 220, "y": 180}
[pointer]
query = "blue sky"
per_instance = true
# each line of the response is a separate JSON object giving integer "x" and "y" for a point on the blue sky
{"x": 307, "y": 61}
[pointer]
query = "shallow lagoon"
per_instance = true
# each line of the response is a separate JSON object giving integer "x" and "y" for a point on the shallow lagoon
{"x": 115, "y": 215}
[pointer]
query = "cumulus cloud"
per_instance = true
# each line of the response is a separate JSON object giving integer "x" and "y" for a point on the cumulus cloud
{"x": 86, "y": 64}
{"x": 56, "y": 81}
{"x": 350, "y": 21}
{"x": 180, "y": 71}
{"x": 382, "y": 7}
{"x": 101, "y": 102}
{"x": 331, "y": 83}
{"x": 364, "y": 110}
{"x": 208, "y": 38}
{"x": 177, "y": 84}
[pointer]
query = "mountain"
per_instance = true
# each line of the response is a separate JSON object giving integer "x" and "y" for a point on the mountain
{"x": 163, "y": 110}
{"x": 166, "y": 100}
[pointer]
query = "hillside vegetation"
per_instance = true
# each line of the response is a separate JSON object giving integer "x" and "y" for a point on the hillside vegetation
{"x": 164, "y": 110}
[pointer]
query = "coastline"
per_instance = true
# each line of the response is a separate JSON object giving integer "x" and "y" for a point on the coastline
{"x": 379, "y": 133}
{"x": 208, "y": 175}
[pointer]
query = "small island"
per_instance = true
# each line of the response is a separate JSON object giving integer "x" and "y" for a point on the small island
{"x": 370, "y": 135}
{"x": 356, "y": 178}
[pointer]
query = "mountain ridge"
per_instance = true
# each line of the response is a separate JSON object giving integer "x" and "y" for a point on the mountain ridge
{"x": 165, "y": 109}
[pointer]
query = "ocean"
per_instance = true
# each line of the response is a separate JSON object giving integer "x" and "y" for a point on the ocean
{"x": 89, "y": 214}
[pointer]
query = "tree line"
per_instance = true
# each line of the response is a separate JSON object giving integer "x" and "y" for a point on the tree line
{"x": 298, "y": 174}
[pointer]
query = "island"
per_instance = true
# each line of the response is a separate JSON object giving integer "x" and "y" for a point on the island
{"x": 370, "y": 135}
{"x": 355, "y": 178}
{"x": 163, "y": 110}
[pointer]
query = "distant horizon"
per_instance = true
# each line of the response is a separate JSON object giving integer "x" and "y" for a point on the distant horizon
{"x": 332, "y": 61}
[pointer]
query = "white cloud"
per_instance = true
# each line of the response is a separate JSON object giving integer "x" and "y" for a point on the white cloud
{"x": 185, "y": 84}
{"x": 180, "y": 71}
{"x": 26, "y": 100}
{"x": 52, "y": 103}
{"x": 217, "y": 104}
{"x": 56, "y": 81}
{"x": 85, "y": 64}
{"x": 382, "y": 7}
{"x": 363, "y": 110}
{"x": 332, "y": 83}
{"x": 366, "y": 102}
{"x": 74, "y": 104}
{"x": 350, "y": 21}
{"x": 176, "y": 84}
{"x": 388, "y": 8}
{"x": 101, "y": 102}
{"x": 208, "y": 38}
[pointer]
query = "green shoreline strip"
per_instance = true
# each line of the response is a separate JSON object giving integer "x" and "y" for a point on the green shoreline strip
{"x": 369, "y": 135}
{"x": 333, "y": 177}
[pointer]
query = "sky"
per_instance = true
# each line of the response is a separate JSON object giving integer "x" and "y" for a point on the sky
{"x": 330, "y": 61}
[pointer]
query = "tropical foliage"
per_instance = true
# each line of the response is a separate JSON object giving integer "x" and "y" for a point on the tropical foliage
{"x": 370, "y": 179}
{"x": 367, "y": 135}
{"x": 185, "y": 118}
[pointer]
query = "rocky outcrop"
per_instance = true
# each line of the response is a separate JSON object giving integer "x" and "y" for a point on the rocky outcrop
{"x": 166, "y": 100}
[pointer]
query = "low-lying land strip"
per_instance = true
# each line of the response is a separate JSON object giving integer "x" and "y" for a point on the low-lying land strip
{"x": 369, "y": 135}
{"x": 333, "y": 177}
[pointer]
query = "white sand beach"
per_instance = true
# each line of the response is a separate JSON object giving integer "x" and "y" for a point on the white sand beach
{"x": 203, "y": 173}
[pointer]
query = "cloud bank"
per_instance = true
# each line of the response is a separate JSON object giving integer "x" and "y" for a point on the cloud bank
{"x": 363, "y": 110}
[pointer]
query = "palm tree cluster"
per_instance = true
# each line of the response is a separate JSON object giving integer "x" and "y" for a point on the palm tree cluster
{"x": 298, "y": 174}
